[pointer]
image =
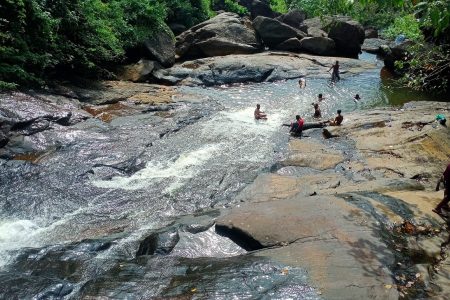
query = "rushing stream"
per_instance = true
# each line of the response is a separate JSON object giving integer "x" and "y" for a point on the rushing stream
{"x": 71, "y": 224}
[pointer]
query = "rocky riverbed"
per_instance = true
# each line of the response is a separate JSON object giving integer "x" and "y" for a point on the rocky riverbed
{"x": 121, "y": 190}
{"x": 355, "y": 210}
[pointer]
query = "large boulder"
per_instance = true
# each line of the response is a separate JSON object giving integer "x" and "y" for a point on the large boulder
{"x": 293, "y": 18}
{"x": 373, "y": 45}
{"x": 273, "y": 32}
{"x": 395, "y": 52}
{"x": 318, "y": 45}
{"x": 348, "y": 36}
{"x": 316, "y": 32}
{"x": 292, "y": 45}
{"x": 138, "y": 72}
{"x": 371, "y": 33}
{"x": 224, "y": 34}
{"x": 161, "y": 47}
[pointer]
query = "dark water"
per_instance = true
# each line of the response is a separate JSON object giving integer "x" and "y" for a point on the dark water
{"x": 71, "y": 225}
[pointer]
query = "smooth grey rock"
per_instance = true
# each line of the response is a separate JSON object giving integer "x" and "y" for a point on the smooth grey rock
{"x": 224, "y": 34}
{"x": 273, "y": 32}
{"x": 348, "y": 37}
{"x": 373, "y": 45}
{"x": 161, "y": 47}
{"x": 316, "y": 32}
{"x": 318, "y": 45}
{"x": 293, "y": 45}
{"x": 293, "y": 18}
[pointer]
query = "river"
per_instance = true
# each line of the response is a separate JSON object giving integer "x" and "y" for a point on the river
{"x": 71, "y": 224}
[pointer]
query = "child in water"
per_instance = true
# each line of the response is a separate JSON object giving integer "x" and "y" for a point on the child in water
{"x": 302, "y": 83}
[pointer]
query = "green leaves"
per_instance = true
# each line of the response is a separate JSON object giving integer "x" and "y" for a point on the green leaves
{"x": 435, "y": 14}
{"x": 407, "y": 26}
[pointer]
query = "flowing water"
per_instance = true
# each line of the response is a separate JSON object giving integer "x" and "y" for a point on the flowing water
{"x": 71, "y": 224}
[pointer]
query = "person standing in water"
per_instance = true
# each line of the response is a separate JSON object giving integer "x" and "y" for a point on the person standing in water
{"x": 335, "y": 73}
{"x": 356, "y": 98}
{"x": 317, "y": 112}
{"x": 320, "y": 97}
{"x": 259, "y": 115}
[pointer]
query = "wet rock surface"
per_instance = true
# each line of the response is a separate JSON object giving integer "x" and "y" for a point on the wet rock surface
{"x": 364, "y": 205}
{"x": 262, "y": 67}
{"x": 361, "y": 208}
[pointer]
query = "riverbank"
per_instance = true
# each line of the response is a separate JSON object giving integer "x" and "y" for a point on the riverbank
{"x": 355, "y": 210}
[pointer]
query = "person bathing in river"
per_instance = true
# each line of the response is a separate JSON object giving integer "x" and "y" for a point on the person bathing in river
{"x": 320, "y": 97}
{"x": 259, "y": 115}
{"x": 302, "y": 82}
{"x": 335, "y": 73}
{"x": 445, "y": 178}
{"x": 317, "y": 112}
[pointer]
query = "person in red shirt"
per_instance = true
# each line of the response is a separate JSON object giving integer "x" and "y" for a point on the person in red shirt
{"x": 297, "y": 126}
{"x": 445, "y": 178}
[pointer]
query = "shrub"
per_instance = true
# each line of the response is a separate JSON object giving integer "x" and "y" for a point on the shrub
{"x": 279, "y": 6}
{"x": 407, "y": 26}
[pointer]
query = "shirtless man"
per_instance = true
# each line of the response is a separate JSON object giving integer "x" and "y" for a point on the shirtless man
{"x": 259, "y": 115}
{"x": 335, "y": 73}
{"x": 337, "y": 121}
{"x": 317, "y": 112}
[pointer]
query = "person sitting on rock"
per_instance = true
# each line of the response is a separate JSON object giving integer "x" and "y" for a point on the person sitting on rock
{"x": 338, "y": 120}
{"x": 317, "y": 112}
{"x": 302, "y": 82}
{"x": 335, "y": 73}
{"x": 259, "y": 115}
{"x": 445, "y": 178}
{"x": 297, "y": 126}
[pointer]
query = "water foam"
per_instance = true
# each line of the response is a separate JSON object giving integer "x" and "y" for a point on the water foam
{"x": 15, "y": 234}
{"x": 184, "y": 167}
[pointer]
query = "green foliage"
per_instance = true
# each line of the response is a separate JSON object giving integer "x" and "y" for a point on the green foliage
{"x": 41, "y": 39}
{"x": 233, "y": 6}
{"x": 435, "y": 14}
{"x": 407, "y": 26}
{"x": 279, "y": 6}
{"x": 188, "y": 12}
{"x": 315, "y": 8}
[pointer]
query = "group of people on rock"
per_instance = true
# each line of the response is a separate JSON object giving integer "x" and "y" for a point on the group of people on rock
{"x": 296, "y": 129}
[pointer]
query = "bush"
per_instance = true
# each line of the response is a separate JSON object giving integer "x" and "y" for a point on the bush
{"x": 279, "y": 6}
{"x": 233, "y": 6}
{"x": 428, "y": 68}
{"x": 188, "y": 12}
{"x": 407, "y": 26}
